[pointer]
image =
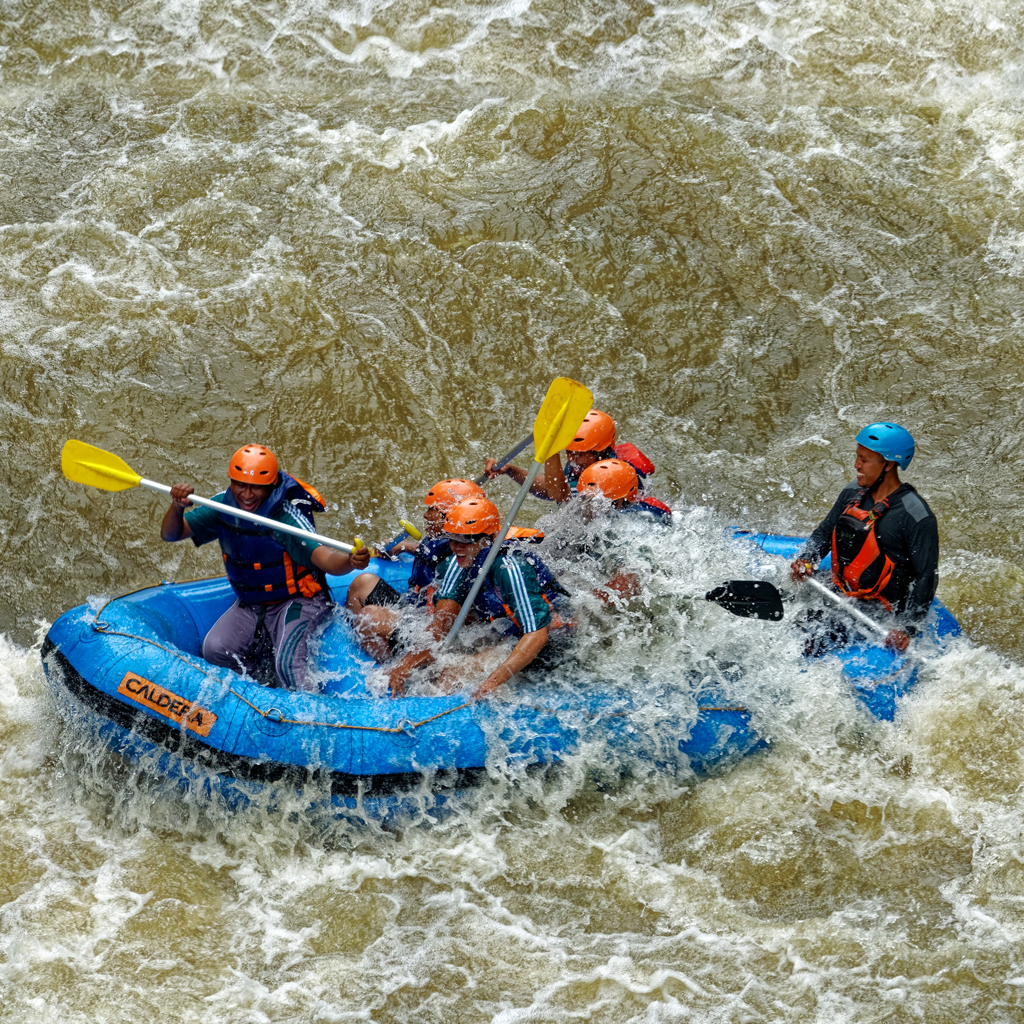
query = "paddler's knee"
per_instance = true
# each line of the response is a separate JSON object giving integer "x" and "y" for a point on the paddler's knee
{"x": 360, "y": 589}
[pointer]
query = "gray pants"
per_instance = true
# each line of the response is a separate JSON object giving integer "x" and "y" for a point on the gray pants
{"x": 290, "y": 624}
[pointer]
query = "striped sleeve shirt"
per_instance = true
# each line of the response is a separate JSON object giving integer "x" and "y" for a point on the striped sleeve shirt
{"x": 512, "y": 589}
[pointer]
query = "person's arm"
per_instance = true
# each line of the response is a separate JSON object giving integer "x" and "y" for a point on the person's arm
{"x": 820, "y": 541}
{"x": 923, "y": 545}
{"x": 520, "y": 591}
{"x": 174, "y": 527}
{"x": 528, "y": 647}
{"x": 445, "y": 613}
{"x": 338, "y": 563}
{"x": 920, "y": 535}
{"x": 308, "y": 551}
{"x": 918, "y": 540}
{"x": 555, "y": 484}
{"x": 538, "y": 488}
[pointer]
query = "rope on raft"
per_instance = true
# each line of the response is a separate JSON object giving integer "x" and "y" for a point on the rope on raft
{"x": 274, "y": 714}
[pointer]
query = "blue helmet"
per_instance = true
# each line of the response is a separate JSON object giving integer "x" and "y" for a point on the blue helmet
{"x": 890, "y": 440}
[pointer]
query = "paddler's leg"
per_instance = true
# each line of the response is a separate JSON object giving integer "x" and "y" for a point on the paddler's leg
{"x": 369, "y": 589}
{"x": 230, "y": 637}
{"x": 291, "y": 624}
{"x": 369, "y": 598}
{"x": 375, "y": 628}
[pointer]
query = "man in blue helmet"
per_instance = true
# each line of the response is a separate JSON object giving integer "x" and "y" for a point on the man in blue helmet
{"x": 882, "y": 535}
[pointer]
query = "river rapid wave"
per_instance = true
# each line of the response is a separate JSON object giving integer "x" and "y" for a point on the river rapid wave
{"x": 369, "y": 237}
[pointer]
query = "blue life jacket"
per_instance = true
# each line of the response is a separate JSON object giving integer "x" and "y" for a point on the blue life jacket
{"x": 429, "y": 554}
{"x": 259, "y": 569}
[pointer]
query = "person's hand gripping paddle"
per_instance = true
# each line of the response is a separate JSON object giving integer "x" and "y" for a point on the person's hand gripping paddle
{"x": 85, "y": 464}
{"x": 560, "y": 416}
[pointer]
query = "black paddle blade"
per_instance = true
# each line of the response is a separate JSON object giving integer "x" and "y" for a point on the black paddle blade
{"x": 751, "y": 599}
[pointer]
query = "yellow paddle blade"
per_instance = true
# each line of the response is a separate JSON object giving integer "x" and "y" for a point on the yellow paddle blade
{"x": 85, "y": 464}
{"x": 560, "y": 416}
{"x": 410, "y": 529}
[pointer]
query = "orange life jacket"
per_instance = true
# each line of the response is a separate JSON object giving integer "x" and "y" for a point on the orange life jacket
{"x": 859, "y": 566}
{"x": 524, "y": 533}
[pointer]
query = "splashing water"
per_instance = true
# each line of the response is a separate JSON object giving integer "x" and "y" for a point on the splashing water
{"x": 369, "y": 237}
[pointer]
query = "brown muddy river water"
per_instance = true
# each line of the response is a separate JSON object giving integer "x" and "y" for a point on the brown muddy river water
{"x": 368, "y": 236}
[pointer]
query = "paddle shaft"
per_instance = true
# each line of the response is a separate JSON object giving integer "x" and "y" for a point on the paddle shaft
{"x": 398, "y": 540}
{"x": 227, "y": 510}
{"x": 506, "y": 458}
{"x": 864, "y": 620}
{"x": 492, "y": 554}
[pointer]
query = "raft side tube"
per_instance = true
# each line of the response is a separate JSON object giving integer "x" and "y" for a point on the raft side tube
{"x": 137, "y": 733}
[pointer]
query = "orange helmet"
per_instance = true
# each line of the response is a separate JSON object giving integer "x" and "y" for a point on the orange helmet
{"x": 472, "y": 516}
{"x": 613, "y": 478}
{"x": 254, "y": 464}
{"x": 446, "y": 493}
{"x": 596, "y": 432}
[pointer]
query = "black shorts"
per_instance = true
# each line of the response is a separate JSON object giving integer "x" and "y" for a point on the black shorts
{"x": 382, "y": 594}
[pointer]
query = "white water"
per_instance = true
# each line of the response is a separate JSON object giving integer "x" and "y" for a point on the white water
{"x": 369, "y": 236}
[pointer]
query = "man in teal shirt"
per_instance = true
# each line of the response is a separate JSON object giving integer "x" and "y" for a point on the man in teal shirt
{"x": 278, "y": 578}
{"x": 512, "y": 593}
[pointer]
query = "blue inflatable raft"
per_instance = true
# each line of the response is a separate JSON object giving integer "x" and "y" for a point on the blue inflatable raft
{"x": 879, "y": 676}
{"x": 134, "y": 672}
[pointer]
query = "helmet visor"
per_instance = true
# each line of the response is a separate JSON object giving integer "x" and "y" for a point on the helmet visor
{"x": 464, "y": 538}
